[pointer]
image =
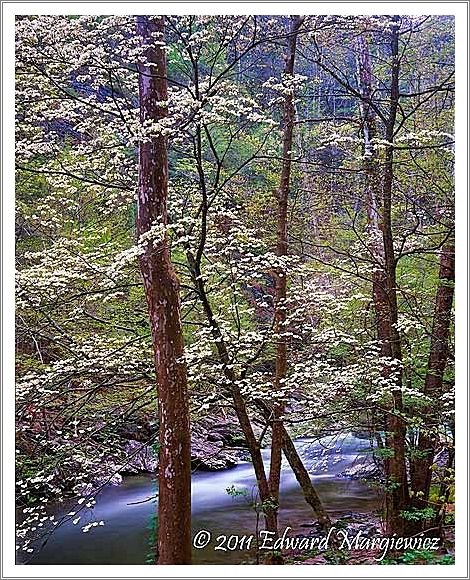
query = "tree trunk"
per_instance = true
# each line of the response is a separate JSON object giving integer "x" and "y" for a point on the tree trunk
{"x": 398, "y": 493}
{"x": 281, "y": 275}
{"x": 373, "y": 184}
{"x": 303, "y": 478}
{"x": 300, "y": 472}
{"x": 239, "y": 404}
{"x": 437, "y": 361}
{"x": 379, "y": 183}
{"x": 163, "y": 301}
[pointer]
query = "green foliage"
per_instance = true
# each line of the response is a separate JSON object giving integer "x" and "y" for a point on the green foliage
{"x": 384, "y": 452}
{"x": 269, "y": 505}
{"x": 417, "y": 515}
{"x": 234, "y": 492}
{"x": 419, "y": 557}
{"x": 152, "y": 540}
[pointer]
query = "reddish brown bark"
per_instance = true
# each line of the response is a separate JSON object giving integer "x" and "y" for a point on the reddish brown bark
{"x": 303, "y": 478}
{"x": 372, "y": 187}
{"x": 437, "y": 362}
{"x": 163, "y": 302}
{"x": 301, "y": 474}
{"x": 398, "y": 494}
{"x": 281, "y": 277}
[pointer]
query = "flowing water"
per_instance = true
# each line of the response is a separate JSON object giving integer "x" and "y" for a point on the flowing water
{"x": 127, "y": 510}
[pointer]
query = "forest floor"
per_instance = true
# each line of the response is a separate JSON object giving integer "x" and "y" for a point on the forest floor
{"x": 367, "y": 526}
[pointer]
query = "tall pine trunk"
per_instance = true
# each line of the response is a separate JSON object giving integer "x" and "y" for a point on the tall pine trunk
{"x": 163, "y": 301}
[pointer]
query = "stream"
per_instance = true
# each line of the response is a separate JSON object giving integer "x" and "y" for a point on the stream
{"x": 127, "y": 509}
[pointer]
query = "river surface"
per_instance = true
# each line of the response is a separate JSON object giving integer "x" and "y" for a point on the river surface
{"x": 127, "y": 510}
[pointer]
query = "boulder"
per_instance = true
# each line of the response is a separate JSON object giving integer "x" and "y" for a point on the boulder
{"x": 211, "y": 455}
{"x": 140, "y": 458}
{"x": 216, "y": 443}
{"x": 363, "y": 467}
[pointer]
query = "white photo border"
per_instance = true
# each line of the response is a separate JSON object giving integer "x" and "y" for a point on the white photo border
{"x": 9, "y": 9}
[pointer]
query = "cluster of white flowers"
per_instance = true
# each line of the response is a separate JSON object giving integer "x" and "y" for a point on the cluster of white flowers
{"x": 423, "y": 136}
{"x": 151, "y": 239}
{"x": 407, "y": 324}
{"x": 288, "y": 84}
